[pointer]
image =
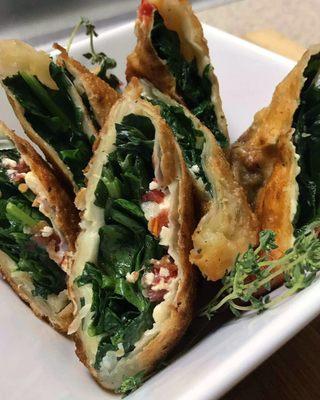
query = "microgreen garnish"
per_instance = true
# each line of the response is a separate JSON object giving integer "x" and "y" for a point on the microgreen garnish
{"x": 254, "y": 270}
{"x": 131, "y": 383}
{"x": 95, "y": 57}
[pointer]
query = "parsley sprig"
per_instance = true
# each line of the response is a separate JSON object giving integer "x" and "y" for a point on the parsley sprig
{"x": 254, "y": 270}
{"x": 96, "y": 58}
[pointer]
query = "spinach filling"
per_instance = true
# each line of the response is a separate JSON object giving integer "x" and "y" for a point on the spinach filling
{"x": 54, "y": 116}
{"x": 121, "y": 314}
{"x": 306, "y": 139}
{"x": 193, "y": 88}
{"x": 17, "y": 216}
{"x": 190, "y": 139}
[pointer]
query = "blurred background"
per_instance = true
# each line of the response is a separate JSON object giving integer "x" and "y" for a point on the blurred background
{"x": 39, "y": 20}
{"x": 265, "y": 22}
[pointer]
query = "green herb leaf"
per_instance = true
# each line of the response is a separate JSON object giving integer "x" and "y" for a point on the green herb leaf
{"x": 253, "y": 271}
{"x": 131, "y": 383}
{"x": 100, "y": 58}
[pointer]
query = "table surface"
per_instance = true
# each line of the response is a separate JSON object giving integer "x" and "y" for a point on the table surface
{"x": 298, "y": 20}
{"x": 293, "y": 373}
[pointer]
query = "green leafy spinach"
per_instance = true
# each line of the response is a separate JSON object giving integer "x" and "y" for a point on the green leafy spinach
{"x": 190, "y": 139}
{"x": 54, "y": 116}
{"x": 121, "y": 313}
{"x": 17, "y": 216}
{"x": 306, "y": 139}
{"x": 193, "y": 88}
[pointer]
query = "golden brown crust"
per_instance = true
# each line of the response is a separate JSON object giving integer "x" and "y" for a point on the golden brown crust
{"x": 144, "y": 62}
{"x": 263, "y": 159}
{"x": 101, "y": 96}
{"x": 180, "y": 307}
{"x": 264, "y": 162}
{"x": 66, "y": 217}
{"x": 228, "y": 224}
{"x": 255, "y": 152}
{"x": 274, "y": 198}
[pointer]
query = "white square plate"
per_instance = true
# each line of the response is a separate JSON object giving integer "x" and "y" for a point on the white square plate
{"x": 38, "y": 363}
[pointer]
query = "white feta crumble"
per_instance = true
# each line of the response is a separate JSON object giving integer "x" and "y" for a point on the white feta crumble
{"x": 150, "y": 209}
{"x": 153, "y": 185}
{"x": 164, "y": 272}
{"x": 46, "y": 231}
{"x": 165, "y": 236}
{"x": 148, "y": 278}
{"x": 8, "y": 163}
{"x": 132, "y": 277}
{"x": 195, "y": 169}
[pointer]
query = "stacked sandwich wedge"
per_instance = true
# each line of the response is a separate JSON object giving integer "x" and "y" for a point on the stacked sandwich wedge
{"x": 172, "y": 53}
{"x": 60, "y": 105}
{"x": 39, "y": 226}
{"x": 132, "y": 283}
{"x": 277, "y": 159}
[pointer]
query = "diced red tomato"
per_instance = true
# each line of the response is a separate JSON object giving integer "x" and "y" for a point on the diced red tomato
{"x": 156, "y": 295}
{"x": 145, "y": 9}
{"x": 164, "y": 271}
{"x": 167, "y": 263}
{"x": 154, "y": 195}
{"x": 155, "y": 224}
{"x": 22, "y": 167}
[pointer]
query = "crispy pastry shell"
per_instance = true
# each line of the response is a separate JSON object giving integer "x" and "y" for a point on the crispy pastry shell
{"x": 227, "y": 225}
{"x": 176, "y": 312}
{"x": 144, "y": 62}
{"x": 101, "y": 96}
{"x": 65, "y": 218}
{"x": 16, "y": 56}
{"x": 264, "y": 159}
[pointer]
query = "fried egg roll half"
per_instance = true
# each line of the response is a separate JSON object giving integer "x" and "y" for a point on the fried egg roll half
{"x": 132, "y": 283}
{"x": 227, "y": 224}
{"x": 60, "y": 106}
{"x": 172, "y": 53}
{"x": 277, "y": 160}
{"x": 38, "y": 227}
